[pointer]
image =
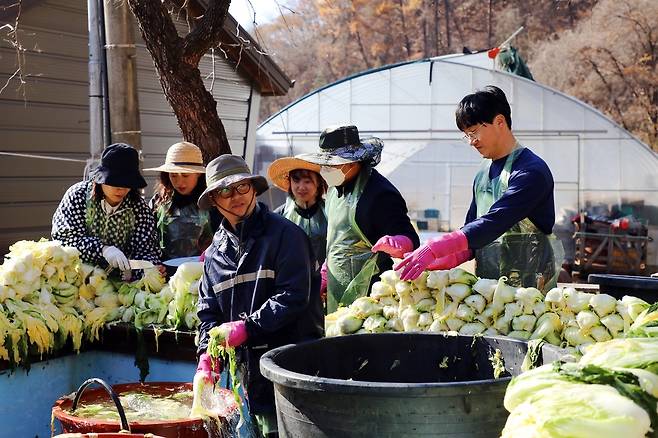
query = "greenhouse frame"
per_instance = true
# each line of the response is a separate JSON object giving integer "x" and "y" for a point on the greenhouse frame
{"x": 597, "y": 165}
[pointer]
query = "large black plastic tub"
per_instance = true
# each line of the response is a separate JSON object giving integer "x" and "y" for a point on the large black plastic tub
{"x": 392, "y": 385}
{"x": 620, "y": 285}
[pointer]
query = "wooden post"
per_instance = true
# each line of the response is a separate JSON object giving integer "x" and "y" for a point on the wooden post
{"x": 122, "y": 73}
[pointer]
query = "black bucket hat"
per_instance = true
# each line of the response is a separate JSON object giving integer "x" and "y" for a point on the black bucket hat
{"x": 120, "y": 167}
{"x": 226, "y": 170}
{"x": 341, "y": 145}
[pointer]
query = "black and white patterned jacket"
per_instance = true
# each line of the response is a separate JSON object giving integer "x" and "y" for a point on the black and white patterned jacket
{"x": 79, "y": 221}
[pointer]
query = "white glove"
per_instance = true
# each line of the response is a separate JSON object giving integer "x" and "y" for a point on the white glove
{"x": 116, "y": 258}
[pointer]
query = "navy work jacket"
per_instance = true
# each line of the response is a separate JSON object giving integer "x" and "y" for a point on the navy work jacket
{"x": 262, "y": 272}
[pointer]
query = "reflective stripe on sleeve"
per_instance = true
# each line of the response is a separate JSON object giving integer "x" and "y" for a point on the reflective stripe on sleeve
{"x": 243, "y": 278}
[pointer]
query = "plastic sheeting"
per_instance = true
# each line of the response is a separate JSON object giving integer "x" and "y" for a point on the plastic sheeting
{"x": 595, "y": 163}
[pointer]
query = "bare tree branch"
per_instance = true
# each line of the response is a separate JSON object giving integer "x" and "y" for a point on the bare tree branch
{"x": 15, "y": 42}
{"x": 159, "y": 32}
{"x": 362, "y": 49}
{"x": 619, "y": 68}
{"x": 176, "y": 60}
{"x": 206, "y": 34}
{"x": 18, "y": 70}
{"x": 615, "y": 103}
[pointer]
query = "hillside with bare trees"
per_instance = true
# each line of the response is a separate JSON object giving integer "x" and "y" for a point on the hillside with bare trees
{"x": 602, "y": 52}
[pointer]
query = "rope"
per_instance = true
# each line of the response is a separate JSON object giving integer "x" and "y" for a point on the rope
{"x": 90, "y": 163}
{"x": 42, "y": 157}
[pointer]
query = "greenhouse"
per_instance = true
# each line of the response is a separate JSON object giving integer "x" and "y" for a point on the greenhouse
{"x": 598, "y": 166}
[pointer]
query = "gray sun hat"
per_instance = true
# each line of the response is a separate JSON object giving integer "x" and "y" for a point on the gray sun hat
{"x": 341, "y": 145}
{"x": 225, "y": 171}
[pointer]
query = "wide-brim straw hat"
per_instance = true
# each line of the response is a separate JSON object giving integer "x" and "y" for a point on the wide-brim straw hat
{"x": 225, "y": 171}
{"x": 279, "y": 170}
{"x": 182, "y": 157}
{"x": 341, "y": 145}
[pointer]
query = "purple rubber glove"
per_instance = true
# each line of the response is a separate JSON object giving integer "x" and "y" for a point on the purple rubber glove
{"x": 235, "y": 333}
{"x": 395, "y": 246}
{"x": 418, "y": 261}
{"x": 211, "y": 369}
{"x": 450, "y": 261}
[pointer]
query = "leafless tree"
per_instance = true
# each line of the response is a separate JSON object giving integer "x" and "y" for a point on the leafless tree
{"x": 176, "y": 59}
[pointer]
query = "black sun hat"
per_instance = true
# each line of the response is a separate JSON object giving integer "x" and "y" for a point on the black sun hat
{"x": 341, "y": 144}
{"x": 120, "y": 167}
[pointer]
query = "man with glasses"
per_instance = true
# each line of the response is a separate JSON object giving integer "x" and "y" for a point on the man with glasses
{"x": 509, "y": 224}
{"x": 259, "y": 285}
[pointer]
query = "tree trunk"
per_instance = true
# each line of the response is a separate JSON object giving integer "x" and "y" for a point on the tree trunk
{"x": 426, "y": 53}
{"x": 176, "y": 59}
{"x": 407, "y": 42}
{"x": 196, "y": 111}
{"x": 437, "y": 44}
{"x": 489, "y": 25}
{"x": 421, "y": 19}
{"x": 456, "y": 18}
{"x": 446, "y": 13}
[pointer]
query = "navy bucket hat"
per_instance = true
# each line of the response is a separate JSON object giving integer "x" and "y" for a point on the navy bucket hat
{"x": 120, "y": 167}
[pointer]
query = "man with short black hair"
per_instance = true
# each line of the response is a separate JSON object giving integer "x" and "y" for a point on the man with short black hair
{"x": 509, "y": 223}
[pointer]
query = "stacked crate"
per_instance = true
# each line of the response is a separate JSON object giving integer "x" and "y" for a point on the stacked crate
{"x": 603, "y": 247}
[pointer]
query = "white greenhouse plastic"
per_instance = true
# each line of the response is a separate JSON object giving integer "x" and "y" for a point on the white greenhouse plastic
{"x": 596, "y": 164}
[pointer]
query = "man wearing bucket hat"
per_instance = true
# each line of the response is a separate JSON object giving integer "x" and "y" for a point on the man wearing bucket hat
{"x": 257, "y": 284}
{"x": 304, "y": 205}
{"x": 183, "y": 228}
{"x": 367, "y": 216}
{"x": 106, "y": 218}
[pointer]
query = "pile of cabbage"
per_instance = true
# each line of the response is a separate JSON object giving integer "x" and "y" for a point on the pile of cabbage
{"x": 456, "y": 301}
{"x": 145, "y": 301}
{"x": 151, "y": 302}
{"x": 612, "y": 391}
{"x": 184, "y": 285}
{"x": 48, "y": 296}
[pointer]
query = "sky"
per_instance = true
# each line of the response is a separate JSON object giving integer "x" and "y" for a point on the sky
{"x": 266, "y": 10}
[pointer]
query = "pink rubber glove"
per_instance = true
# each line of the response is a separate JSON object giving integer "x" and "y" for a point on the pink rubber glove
{"x": 323, "y": 282}
{"x": 395, "y": 246}
{"x": 450, "y": 261}
{"x": 418, "y": 261}
{"x": 202, "y": 257}
{"x": 211, "y": 369}
{"x": 235, "y": 333}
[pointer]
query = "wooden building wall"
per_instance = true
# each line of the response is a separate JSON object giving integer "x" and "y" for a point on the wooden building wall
{"x": 49, "y": 115}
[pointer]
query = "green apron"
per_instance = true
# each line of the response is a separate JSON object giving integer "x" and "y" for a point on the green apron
{"x": 525, "y": 255}
{"x": 315, "y": 227}
{"x": 184, "y": 231}
{"x": 115, "y": 229}
{"x": 350, "y": 263}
